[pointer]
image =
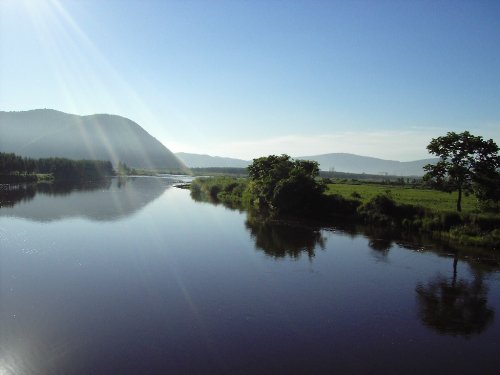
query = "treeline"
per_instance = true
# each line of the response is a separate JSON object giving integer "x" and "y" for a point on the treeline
{"x": 15, "y": 168}
{"x": 219, "y": 171}
{"x": 369, "y": 178}
{"x": 329, "y": 176}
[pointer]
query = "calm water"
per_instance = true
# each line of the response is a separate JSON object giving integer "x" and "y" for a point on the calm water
{"x": 136, "y": 277}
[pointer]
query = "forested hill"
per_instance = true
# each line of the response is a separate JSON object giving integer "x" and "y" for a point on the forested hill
{"x": 44, "y": 133}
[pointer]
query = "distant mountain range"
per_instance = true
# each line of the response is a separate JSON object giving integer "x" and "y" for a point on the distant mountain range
{"x": 48, "y": 133}
{"x": 339, "y": 162}
{"x": 44, "y": 133}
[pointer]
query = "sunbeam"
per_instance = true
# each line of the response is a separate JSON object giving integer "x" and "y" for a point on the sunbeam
{"x": 76, "y": 62}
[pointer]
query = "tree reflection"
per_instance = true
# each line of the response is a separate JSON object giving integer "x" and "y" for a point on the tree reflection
{"x": 455, "y": 307}
{"x": 280, "y": 239}
{"x": 380, "y": 240}
{"x": 10, "y": 195}
{"x": 68, "y": 187}
{"x": 382, "y": 245}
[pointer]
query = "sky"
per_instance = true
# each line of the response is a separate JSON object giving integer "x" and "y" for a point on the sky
{"x": 246, "y": 79}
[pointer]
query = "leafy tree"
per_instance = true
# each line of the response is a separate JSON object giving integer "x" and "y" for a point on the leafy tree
{"x": 284, "y": 185}
{"x": 487, "y": 190}
{"x": 466, "y": 162}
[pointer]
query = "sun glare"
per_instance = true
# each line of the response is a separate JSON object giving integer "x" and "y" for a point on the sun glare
{"x": 80, "y": 72}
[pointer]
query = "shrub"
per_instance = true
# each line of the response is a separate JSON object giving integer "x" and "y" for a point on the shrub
{"x": 450, "y": 219}
{"x": 384, "y": 210}
{"x": 356, "y": 195}
{"x": 336, "y": 205}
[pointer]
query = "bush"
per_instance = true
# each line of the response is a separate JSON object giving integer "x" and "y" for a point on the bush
{"x": 356, "y": 195}
{"x": 384, "y": 210}
{"x": 219, "y": 189}
{"x": 336, "y": 205}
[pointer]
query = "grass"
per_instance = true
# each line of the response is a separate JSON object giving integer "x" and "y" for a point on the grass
{"x": 434, "y": 200}
{"x": 424, "y": 210}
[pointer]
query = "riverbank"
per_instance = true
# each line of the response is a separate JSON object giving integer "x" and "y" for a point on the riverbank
{"x": 400, "y": 209}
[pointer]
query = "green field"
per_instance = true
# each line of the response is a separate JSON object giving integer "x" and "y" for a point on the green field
{"x": 431, "y": 199}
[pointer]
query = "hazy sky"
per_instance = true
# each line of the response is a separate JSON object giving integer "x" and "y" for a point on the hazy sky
{"x": 250, "y": 78}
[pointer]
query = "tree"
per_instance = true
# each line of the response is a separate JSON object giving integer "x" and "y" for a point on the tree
{"x": 466, "y": 162}
{"x": 285, "y": 186}
{"x": 455, "y": 307}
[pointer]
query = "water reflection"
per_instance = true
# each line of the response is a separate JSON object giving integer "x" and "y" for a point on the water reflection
{"x": 380, "y": 241}
{"x": 457, "y": 307}
{"x": 135, "y": 294}
{"x": 453, "y": 306}
{"x": 10, "y": 195}
{"x": 106, "y": 200}
{"x": 280, "y": 239}
{"x": 68, "y": 187}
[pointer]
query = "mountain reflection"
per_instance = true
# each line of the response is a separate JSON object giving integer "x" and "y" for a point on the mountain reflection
{"x": 280, "y": 239}
{"x": 456, "y": 307}
{"x": 105, "y": 200}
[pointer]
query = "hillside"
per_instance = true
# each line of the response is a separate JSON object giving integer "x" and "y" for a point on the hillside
{"x": 207, "y": 161}
{"x": 342, "y": 162}
{"x": 45, "y": 133}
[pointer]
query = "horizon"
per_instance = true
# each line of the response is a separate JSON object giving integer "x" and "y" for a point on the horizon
{"x": 223, "y": 156}
{"x": 243, "y": 80}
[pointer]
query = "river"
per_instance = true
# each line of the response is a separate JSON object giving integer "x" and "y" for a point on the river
{"x": 134, "y": 277}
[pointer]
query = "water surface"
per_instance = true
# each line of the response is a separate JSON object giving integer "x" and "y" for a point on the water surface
{"x": 135, "y": 277}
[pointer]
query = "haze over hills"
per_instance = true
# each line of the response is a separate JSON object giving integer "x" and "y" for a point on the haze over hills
{"x": 340, "y": 162}
{"x": 48, "y": 133}
{"x": 207, "y": 161}
{"x": 45, "y": 133}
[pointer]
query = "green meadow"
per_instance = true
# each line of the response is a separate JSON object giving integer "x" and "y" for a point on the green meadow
{"x": 430, "y": 199}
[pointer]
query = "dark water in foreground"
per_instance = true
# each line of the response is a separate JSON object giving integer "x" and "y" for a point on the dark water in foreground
{"x": 137, "y": 278}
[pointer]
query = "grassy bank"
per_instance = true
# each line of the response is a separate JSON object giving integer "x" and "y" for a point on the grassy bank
{"x": 424, "y": 210}
{"x": 429, "y": 199}
{"x": 229, "y": 190}
{"x": 398, "y": 208}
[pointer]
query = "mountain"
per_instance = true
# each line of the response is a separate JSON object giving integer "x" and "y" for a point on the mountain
{"x": 341, "y": 162}
{"x": 207, "y": 161}
{"x": 45, "y": 133}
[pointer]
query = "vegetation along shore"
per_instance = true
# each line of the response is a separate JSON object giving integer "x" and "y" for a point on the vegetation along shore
{"x": 456, "y": 201}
